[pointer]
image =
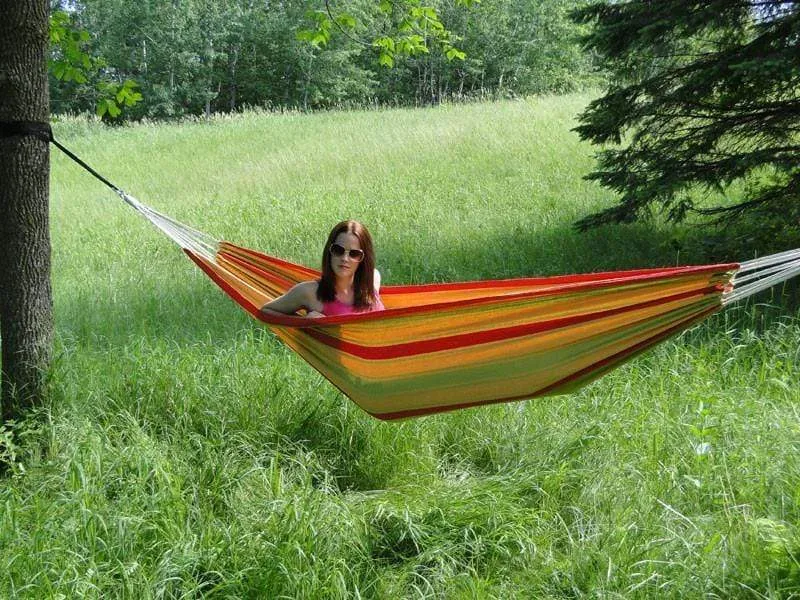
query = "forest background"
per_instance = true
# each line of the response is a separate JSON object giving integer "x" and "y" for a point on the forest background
{"x": 201, "y": 57}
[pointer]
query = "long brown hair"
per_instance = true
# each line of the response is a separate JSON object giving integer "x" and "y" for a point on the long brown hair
{"x": 363, "y": 281}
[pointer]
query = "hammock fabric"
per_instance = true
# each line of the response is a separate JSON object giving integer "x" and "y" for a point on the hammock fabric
{"x": 442, "y": 347}
{"x": 448, "y": 346}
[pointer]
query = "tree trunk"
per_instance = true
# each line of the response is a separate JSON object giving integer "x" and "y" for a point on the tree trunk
{"x": 232, "y": 76}
{"x": 26, "y": 321}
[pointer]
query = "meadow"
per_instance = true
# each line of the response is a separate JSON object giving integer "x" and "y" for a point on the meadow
{"x": 186, "y": 453}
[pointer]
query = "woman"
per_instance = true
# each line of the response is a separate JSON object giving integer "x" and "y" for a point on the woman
{"x": 349, "y": 282}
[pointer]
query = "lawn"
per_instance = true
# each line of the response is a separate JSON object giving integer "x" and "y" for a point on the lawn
{"x": 186, "y": 453}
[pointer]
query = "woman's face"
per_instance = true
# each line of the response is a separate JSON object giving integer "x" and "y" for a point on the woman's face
{"x": 344, "y": 264}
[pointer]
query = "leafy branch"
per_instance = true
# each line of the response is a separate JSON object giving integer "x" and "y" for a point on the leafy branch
{"x": 71, "y": 60}
{"x": 412, "y": 28}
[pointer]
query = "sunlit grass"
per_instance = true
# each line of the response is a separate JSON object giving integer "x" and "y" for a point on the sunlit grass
{"x": 187, "y": 453}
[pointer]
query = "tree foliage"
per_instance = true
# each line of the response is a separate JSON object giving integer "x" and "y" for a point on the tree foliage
{"x": 408, "y": 28}
{"x": 704, "y": 107}
{"x": 75, "y": 68}
{"x": 204, "y": 56}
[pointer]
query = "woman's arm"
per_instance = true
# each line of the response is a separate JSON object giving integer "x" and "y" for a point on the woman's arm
{"x": 293, "y": 300}
{"x": 376, "y": 281}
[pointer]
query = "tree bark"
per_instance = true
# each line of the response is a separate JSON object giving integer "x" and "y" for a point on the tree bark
{"x": 234, "y": 51}
{"x": 26, "y": 321}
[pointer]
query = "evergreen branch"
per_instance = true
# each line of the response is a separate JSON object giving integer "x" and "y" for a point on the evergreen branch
{"x": 773, "y": 194}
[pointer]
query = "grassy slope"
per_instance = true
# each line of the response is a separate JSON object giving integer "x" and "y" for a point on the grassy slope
{"x": 187, "y": 452}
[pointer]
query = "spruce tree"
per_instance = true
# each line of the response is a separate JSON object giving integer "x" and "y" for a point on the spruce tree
{"x": 704, "y": 99}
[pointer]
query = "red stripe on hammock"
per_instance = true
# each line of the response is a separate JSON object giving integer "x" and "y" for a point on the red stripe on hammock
{"x": 229, "y": 289}
{"x": 278, "y": 261}
{"x": 466, "y": 340}
{"x": 641, "y": 346}
{"x": 557, "y": 279}
{"x": 238, "y": 297}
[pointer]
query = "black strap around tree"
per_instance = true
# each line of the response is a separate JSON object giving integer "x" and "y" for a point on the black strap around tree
{"x": 20, "y": 128}
{"x": 45, "y": 133}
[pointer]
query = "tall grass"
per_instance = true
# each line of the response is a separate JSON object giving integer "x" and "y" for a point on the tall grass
{"x": 186, "y": 453}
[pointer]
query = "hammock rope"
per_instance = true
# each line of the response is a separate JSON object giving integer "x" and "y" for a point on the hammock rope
{"x": 760, "y": 274}
{"x": 441, "y": 347}
{"x": 184, "y": 236}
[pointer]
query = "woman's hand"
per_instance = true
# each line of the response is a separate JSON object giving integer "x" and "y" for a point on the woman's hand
{"x": 312, "y": 314}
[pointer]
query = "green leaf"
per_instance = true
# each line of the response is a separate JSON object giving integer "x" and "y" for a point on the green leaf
{"x": 454, "y": 53}
{"x": 385, "y": 42}
{"x": 127, "y": 94}
{"x": 304, "y": 35}
{"x": 412, "y": 45}
{"x": 385, "y": 59}
{"x": 319, "y": 39}
{"x": 58, "y": 69}
{"x": 319, "y": 16}
{"x": 346, "y": 21}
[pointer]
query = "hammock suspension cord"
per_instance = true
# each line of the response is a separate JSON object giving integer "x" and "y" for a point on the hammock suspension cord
{"x": 183, "y": 235}
{"x": 759, "y": 274}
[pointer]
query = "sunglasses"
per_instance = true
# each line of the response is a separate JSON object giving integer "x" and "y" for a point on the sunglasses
{"x": 354, "y": 253}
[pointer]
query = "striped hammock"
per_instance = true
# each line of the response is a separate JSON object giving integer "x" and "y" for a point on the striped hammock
{"x": 447, "y": 346}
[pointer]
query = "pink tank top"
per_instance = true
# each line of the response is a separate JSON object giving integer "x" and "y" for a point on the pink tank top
{"x": 330, "y": 309}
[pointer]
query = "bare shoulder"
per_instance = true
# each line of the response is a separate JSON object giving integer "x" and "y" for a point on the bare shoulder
{"x": 376, "y": 279}
{"x": 305, "y": 292}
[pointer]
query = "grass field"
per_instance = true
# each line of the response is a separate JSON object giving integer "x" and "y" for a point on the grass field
{"x": 186, "y": 453}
